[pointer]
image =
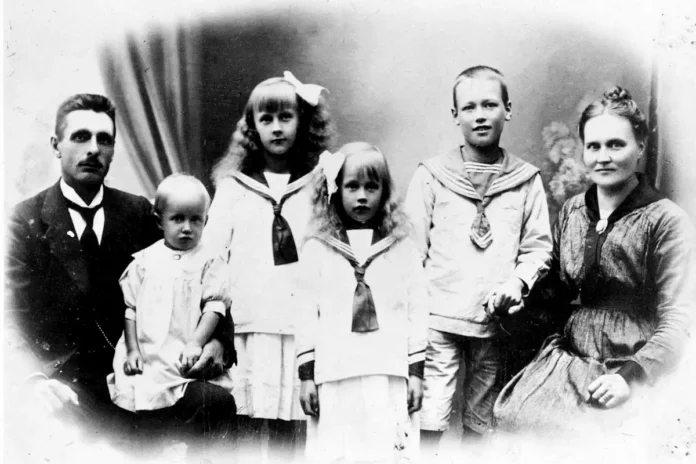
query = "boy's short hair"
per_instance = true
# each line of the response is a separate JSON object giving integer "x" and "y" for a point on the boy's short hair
{"x": 481, "y": 71}
{"x": 171, "y": 183}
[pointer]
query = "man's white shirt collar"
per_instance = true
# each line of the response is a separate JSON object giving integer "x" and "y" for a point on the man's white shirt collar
{"x": 71, "y": 194}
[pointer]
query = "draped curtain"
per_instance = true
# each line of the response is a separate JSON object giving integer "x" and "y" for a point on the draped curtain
{"x": 154, "y": 80}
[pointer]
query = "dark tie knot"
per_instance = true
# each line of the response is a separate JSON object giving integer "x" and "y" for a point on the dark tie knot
{"x": 359, "y": 273}
{"x": 86, "y": 213}
{"x": 276, "y": 209}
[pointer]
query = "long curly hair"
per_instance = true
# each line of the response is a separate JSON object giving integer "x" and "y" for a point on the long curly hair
{"x": 314, "y": 133}
{"x": 329, "y": 217}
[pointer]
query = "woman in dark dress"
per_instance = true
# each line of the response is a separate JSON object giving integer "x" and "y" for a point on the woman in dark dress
{"x": 628, "y": 253}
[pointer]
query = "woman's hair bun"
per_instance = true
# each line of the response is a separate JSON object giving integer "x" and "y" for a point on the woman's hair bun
{"x": 617, "y": 94}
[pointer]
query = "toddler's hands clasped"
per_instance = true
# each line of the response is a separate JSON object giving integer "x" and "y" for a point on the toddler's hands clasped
{"x": 134, "y": 363}
{"x": 190, "y": 356}
{"x": 309, "y": 398}
{"x": 507, "y": 299}
{"x": 609, "y": 390}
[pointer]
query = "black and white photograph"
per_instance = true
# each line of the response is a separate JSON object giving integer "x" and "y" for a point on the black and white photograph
{"x": 349, "y": 231}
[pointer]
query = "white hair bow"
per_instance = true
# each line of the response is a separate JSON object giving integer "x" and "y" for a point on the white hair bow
{"x": 308, "y": 92}
{"x": 331, "y": 164}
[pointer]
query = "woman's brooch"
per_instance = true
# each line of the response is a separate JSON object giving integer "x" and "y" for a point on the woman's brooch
{"x": 601, "y": 226}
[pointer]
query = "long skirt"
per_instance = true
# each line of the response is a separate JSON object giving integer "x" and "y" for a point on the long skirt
{"x": 363, "y": 419}
{"x": 551, "y": 396}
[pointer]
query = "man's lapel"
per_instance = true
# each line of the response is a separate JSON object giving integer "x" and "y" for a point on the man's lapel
{"x": 113, "y": 220}
{"x": 62, "y": 238}
{"x": 118, "y": 234}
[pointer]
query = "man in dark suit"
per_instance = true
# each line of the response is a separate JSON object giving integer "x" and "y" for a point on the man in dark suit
{"x": 68, "y": 246}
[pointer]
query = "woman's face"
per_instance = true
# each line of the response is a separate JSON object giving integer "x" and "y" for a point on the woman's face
{"x": 611, "y": 151}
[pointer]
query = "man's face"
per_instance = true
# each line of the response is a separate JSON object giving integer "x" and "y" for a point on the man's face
{"x": 86, "y": 148}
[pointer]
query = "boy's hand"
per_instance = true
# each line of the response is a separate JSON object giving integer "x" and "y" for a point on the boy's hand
{"x": 189, "y": 357}
{"x": 415, "y": 394}
{"x": 309, "y": 398}
{"x": 134, "y": 363}
{"x": 609, "y": 390}
{"x": 507, "y": 299}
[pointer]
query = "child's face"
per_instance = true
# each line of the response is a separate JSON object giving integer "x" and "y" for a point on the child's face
{"x": 360, "y": 195}
{"x": 481, "y": 112}
{"x": 277, "y": 130}
{"x": 183, "y": 219}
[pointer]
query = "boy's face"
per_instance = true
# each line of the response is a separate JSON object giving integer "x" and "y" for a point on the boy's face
{"x": 183, "y": 219}
{"x": 481, "y": 112}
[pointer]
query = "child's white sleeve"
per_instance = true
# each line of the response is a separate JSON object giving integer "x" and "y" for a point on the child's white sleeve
{"x": 534, "y": 256}
{"x": 307, "y": 326}
{"x": 417, "y": 312}
{"x": 131, "y": 280}
{"x": 419, "y": 204}
{"x": 215, "y": 296}
{"x": 217, "y": 233}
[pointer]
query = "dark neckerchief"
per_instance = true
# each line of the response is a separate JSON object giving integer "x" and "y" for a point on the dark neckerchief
{"x": 283, "y": 242}
{"x": 364, "y": 311}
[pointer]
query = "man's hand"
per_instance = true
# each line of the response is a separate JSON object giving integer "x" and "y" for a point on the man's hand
{"x": 189, "y": 356}
{"x": 309, "y": 398}
{"x": 134, "y": 363}
{"x": 53, "y": 395}
{"x": 506, "y": 299}
{"x": 415, "y": 394}
{"x": 210, "y": 364}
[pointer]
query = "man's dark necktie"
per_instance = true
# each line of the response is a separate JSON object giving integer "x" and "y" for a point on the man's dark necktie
{"x": 88, "y": 241}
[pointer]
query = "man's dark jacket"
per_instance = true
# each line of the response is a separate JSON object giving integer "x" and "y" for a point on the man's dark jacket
{"x": 62, "y": 320}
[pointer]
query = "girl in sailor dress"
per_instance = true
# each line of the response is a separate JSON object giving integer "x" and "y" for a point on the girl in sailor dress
{"x": 362, "y": 336}
{"x": 259, "y": 213}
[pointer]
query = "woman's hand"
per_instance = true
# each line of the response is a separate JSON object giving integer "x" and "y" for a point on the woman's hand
{"x": 609, "y": 390}
{"x": 415, "y": 394}
{"x": 506, "y": 299}
{"x": 309, "y": 398}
